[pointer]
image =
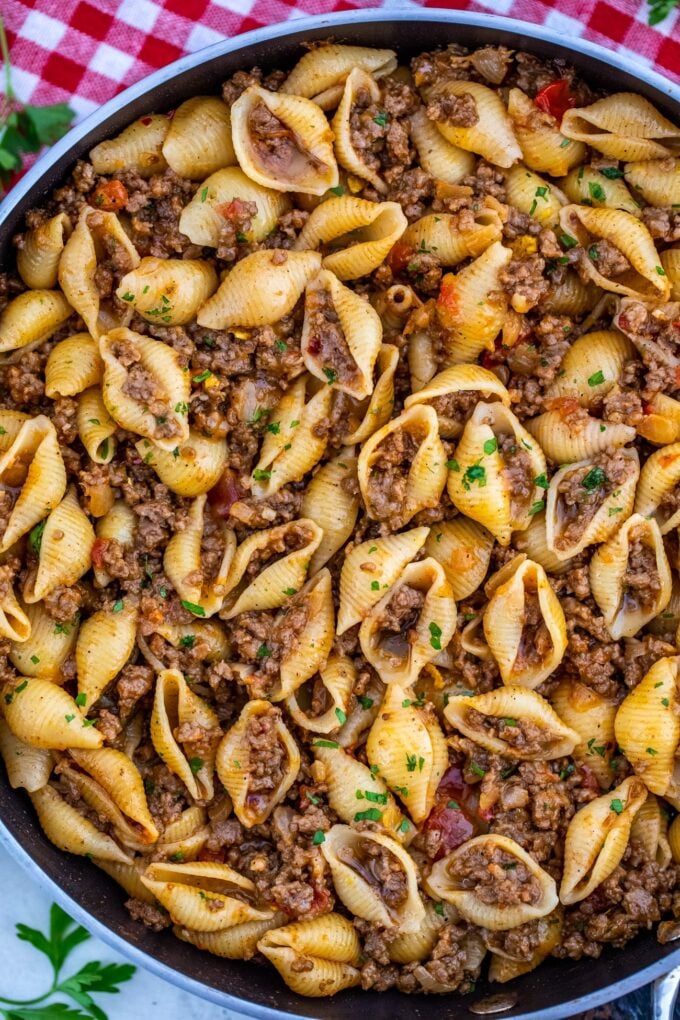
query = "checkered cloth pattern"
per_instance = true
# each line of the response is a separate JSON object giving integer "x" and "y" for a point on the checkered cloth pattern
{"x": 84, "y": 53}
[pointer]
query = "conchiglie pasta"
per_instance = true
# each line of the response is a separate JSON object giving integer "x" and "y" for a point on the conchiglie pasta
{"x": 571, "y": 296}
{"x": 334, "y": 507}
{"x": 33, "y": 462}
{"x": 524, "y": 624}
{"x": 198, "y": 141}
{"x": 463, "y": 548}
{"x": 647, "y": 725}
{"x": 118, "y": 524}
{"x": 138, "y": 147}
{"x": 240, "y": 299}
{"x": 452, "y": 387}
{"x": 348, "y": 854}
{"x": 70, "y": 831}
{"x": 597, "y": 838}
{"x": 206, "y": 214}
{"x": 357, "y": 234}
{"x": 404, "y": 735}
{"x": 178, "y": 711}
{"x": 168, "y": 290}
{"x": 321, "y": 72}
{"x": 65, "y": 549}
{"x": 14, "y": 623}
{"x": 513, "y": 722}
{"x": 316, "y": 957}
{"x": 670, "y": 260}
{"x": 659, "y": 479}
{"x": 544, "y": 147}
{"x": 184, "y": 561}
{"x": 415, "y": 619}
{"x": 189, "y": 469}
{"x": 504, "y": 966}
{"x": 312, "y": 614}
{"x": 10, "y": 426}
{"x": 304, "y": 160}
{"x": 360, "y": 90}
{"x": 204, "y": 896}
{"x": 44, "y": 715}
{"x": 536, "y": 891}
{"x": 656, "y": 180}
{"x": 38, "y": 257}
{"x": 370, "y": 414}
{"x": 592, "y": 366}
{"x": 446, "y": 162}
{"x": 319, "y": 704}
{"x": 114, "y": 631}
{"x": 236, "y": 943}
{"x": 352, "y": 789}
{"x": 534, "y": 196}
{"x": 47, "y": 647}
{"x": 28, "y": 768}
{"x": 73, "y": 365}
{"x": 134, "y": 363}
{"x": 491, "y": 135}
{"x": 622, "y": 126}
{"x": 121, "y": 782}
{"x": 591, "y": 715}
{"x": 566, "y": 438}
{"x": 452, "y": 241}
{"x": 31, "y": 318}
{"x": 593, "y": 188}
{"x": 650, "y": 830}
{"x": 96, "y": 427}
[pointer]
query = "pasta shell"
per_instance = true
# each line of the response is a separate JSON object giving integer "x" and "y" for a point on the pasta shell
{"x": 44, "y": 715}
{"x": 420, "y": 471}
{"x": 10, "y": 426}
{"x": 175, "y": 707}
{"x": 115, "y": 631}
{"x": 352, "y": 789}
{"x": 65, "y": 549}
{"x": 14, "y": 623}
{"x": 31, "y": 318}
{"x": 670, "y": 260}
{"x": 571, "y": 297}
{"x": 28, "y": 768}
{"x": 203, "y": 896}
{"x": 534, "y": 195}
{"x": 68, "y": 830}
{"x": 627, "y": 609}
{"x": 349, "y": 855}
{"x": 591, "y": 716}
{"x": 116, "y": 774}
{"x": 205, "y": 215}
{"x": 314, "y": 614}
{"x": 544, "y": 147}
{"x": 415, "y": 619}
{"x": 95, "y": 233}
{"x": 332, "y": 504}
{"x": 161, "y": 415}
{"x": 570, "y": 527}
{"x": 198, "y": 141}
{"x": 623, "y": 126}
{"x": 442, "y": 235}
{"x": 650, "y": 830}
{"x": 372, "y": 413}
{"x": 332, "y": 692}
{"x": 657, "y": 181}
{"x": 33, "y": 462}
{"x": 73, "y": 365}
{"x": 359, "y": 233}
{"x": 418, "y": 945}
{"x": 239, "y": 300}
{"x": 447, "y": 881}
{"x": 321, "y": 72}
{"x": 234, "y": 764}
{"x": 328, "y": 943}
{"x": 504, "y": 967}
{"x": 524, "y": 625}
{"x": 631, "y": 237}
{"x": 597, "y": 838}
{"x": 361, "y": 715}
{"x": 381, "y": 559}
{"x": 659, "y": 478}
{"x": 47, "y": 647}
{"x": 494, "y": 451}
{"x": 442, "y": 390}
{"x": 534, "y": 543}
{"x": 128, "y": 876}
{"x": 395, "y": 304}
{"x": 661, "y": 422}
{"x": 183, "y": 560}
{"x": 564, "y": 441}
{"x": 591, "y": 187}
{"x": 492, "y": 135}
{"x": 304, "y": 160}
{"x": 360, "y": 91}
{"x": 647, "y": 725}
{"x": 505, "y": 721}
{"x": 463, "y": 548}
{"x": 439, "y": 157}
{"x": 472, "y": 307}
{"x": 168, "y": 290}
{"x": 602, "y": 353}
{"x": 674, "y": 839}
{"x": 236, "y": 943}
{"x": 119, "y": 524}
{"x": 96, "y": 427}
{"x": 407, "y": 745}
{"x": 343, "y": 331}
{"x": 138, "y": 147}
{"x": 38, "y": 257}
{"x": 282, "y": 554}
{"x": 190, "y": 469}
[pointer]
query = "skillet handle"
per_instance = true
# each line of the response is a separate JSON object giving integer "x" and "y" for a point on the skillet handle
{"x": 664, "y": 994}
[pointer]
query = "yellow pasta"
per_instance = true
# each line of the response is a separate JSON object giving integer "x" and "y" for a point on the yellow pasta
{"x": 198, "y": 141}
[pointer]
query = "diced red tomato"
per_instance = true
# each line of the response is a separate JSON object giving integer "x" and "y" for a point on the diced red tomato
{"x": 566, "y": 407}
{"x": 400, "y": 256}
{"x": 234, "y": 210}
{"x": 556, "y": 98}
{"x": 447, "y": 302}
{"x": 225, "y": 493}
{"x": 456, "y": 815}
{"x": 111, "y": 196}
{"x": 97, "y": 554}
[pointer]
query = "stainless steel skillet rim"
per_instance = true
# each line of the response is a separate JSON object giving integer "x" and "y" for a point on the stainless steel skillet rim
{"x": 29, "y": 183}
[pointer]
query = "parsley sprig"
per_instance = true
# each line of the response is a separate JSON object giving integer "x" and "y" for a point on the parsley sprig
{"x": 25, "y": 129}
{"x": 659, "y": 9}
{"x": 93, "y": 978}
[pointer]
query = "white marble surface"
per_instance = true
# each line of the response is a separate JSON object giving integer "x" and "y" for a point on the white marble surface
{"x": 26, "y": 972}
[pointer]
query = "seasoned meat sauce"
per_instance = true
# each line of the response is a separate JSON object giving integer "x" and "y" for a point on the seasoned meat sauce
{"x": 238, "y": 379}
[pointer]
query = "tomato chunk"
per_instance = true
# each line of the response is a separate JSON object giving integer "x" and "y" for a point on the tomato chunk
{"x": 400, "y": 256}
{"x": 98, "y": 550}
{"x": 556, "y": 98}
{"x": 111, "y": 196}
{"x": 456, "y": 812}
{"x": 225, "y": 493}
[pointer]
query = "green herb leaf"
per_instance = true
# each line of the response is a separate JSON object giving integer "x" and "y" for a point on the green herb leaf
{"x": 597, "y": 191}
{"x": 341, "y": 717}
{"x": 195, "y": 764}
{"x": 35, "y": 537}
{"x": 435, "y": 636}
{"x": 491, "y": 445}
{"x": 325, "y": 743}
{"x": 594, "y": 479}
{"x": 596, "y": 379}
{"x": 263, "y": 652}
{"x": 365, "y": 702}
{"x": 370, "y": 815}
{"x": 617, "y": 805}
{"x": 611, "y": 172}
{"x": 381, "y": 119}
{"x": 318, "y": 838}
{"x": 193, "y": 608}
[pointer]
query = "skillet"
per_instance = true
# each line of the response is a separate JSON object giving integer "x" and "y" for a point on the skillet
{"x": 558, "y": 988}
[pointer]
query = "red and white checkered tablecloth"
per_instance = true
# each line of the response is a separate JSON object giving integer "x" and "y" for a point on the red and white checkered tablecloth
{"x": 84, "y": 53}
